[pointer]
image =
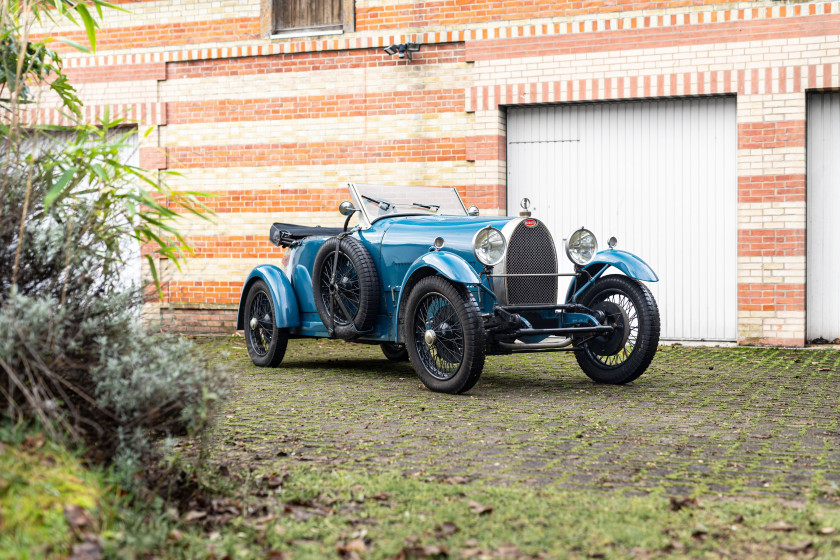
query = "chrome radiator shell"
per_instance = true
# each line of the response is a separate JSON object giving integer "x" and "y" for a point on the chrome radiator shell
{"x": 530, "y": 250}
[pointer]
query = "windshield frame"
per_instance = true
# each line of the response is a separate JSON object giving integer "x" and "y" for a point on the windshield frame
{"x": 365, "y": 220}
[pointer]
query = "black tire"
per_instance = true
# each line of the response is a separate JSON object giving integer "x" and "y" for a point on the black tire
{"x": 623, "y": 359}
{"x": 394, "y": 352}
{"x": 356, "y": 287}
{"x": 454, "y": 361}
{"x": 266, "y": 342}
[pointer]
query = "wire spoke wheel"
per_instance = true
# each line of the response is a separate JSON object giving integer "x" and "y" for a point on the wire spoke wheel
{"x": 632, "y": 326}
{"x": 260, "y": 337}
{"x": 622, "y": 356}
{"x": 444, "y": 335}
{"x": 266, "y": 341}
{"x": 439, "y": 336}
{"x": 342, "y": 288}
{"x": 345, "y": 287}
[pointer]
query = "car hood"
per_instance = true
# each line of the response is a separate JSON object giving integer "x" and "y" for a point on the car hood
{"x": 406, "y": 238}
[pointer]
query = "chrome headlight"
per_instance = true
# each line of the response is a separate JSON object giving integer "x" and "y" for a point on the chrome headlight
{"x": 581, "y": 247}
{"x": 489, "y": 246}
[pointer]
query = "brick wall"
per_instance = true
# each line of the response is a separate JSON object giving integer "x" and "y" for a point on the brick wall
{"x": 273, "y": 126}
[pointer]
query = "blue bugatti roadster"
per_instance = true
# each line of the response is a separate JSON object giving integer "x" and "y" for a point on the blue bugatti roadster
{"x": 440, "y": 286}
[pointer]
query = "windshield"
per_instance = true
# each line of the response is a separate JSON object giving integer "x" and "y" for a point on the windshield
{"x": 384, "y": 200}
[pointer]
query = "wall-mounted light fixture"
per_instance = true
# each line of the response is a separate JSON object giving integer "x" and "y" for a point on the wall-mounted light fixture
{"x": 404, "y": 50}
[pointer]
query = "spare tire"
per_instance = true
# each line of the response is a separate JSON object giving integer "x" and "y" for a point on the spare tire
{"x": 347, "y": 300}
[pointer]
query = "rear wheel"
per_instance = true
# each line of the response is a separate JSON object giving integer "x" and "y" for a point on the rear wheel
{"x": 624, "y": 355}
{"x": 444, "y": 335}
{"x": 394, "y": 352}
{"x": 265, "y": 341}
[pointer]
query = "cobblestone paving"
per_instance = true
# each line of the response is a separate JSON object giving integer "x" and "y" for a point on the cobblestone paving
{"x": 720, "y": 421}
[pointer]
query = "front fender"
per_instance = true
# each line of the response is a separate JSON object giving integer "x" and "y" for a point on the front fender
{"x": 286, "y": 311}
{"x": 628, "y": 263}
{"x": 449, "y": 265}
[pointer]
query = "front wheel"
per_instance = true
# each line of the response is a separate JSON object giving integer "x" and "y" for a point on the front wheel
{"x": 265, "y": 341}
{"x": 625, "y": 354}
{"x": 444, "y": 335}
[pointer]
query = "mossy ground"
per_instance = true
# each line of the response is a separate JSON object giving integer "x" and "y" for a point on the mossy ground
{"x": 339, "y": 453}
{"x": 571, "y": 468}
{"x": 38, "y": 480}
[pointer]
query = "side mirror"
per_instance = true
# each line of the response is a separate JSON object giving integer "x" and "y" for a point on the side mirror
{"x": 473, "y": 211}
{"x": 346, "y": 208}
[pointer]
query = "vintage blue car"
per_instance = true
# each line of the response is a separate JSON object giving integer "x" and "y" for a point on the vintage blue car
{"x": 434, "y": 283}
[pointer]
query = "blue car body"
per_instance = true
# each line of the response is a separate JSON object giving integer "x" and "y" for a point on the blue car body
{"x": 403, "y": 248}
{"x": 435, "y": 284}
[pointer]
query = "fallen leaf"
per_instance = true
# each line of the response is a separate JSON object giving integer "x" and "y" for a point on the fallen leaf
{"x": 471, "y": 552}
{"x": 381, "y": 496}
{"x": 827, "y": 530}
{"x": 194, "y": 515}
{"x": 779, "y": 526}
{"x": 825, "y": 369}
{"x": 446, "y": 529}
{"x": 456, "y": 479}
{"x": 471, "y": 543}
{"x": 761, "y": 436}
{"x": 275, "y": 480}
{"x": 699, "y": 531}
{"x": 174, "y": 536}
{"x": 798, "y": 547}
{"x": 86, "y": 551}
{"x": 279, "y": 555}
{"x": 76, "y": 516}
{"x": 35, "y": 441}
{"x": 356, "y": 545}
{"x": 674, "y": 545}
{"x": 676, "y": 503}
{"x": 427, "y": 551}
{"x": 479, "y": 508}
{"x": 507, "y": 551}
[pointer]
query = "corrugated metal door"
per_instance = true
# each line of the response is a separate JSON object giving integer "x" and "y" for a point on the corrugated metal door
{"x": 823, "y": 222}
{"x": 659, "y": 175}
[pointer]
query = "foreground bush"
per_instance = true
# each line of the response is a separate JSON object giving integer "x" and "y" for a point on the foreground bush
{"x": 73, "y": 216}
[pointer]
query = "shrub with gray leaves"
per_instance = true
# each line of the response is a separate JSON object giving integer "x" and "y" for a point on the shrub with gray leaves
{"x": 73, "y": 351}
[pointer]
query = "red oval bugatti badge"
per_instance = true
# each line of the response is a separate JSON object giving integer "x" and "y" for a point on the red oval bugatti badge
{"x": 530, "y": 222}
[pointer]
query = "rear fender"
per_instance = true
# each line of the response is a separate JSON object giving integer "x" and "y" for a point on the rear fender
{"x": 449, "y": 265}
{"x": 286, "y": 311}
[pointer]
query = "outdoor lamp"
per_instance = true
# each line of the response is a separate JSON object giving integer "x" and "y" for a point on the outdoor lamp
{"x": 403, "y": 50}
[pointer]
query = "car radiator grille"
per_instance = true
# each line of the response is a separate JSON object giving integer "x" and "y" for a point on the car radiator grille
{"x": 530, "y": 251}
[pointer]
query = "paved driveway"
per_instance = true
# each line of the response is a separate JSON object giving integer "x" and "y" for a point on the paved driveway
{"x": 728, "y": 421}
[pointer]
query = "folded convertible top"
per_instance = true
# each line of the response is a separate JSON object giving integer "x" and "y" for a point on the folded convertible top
{"x": 287, "y": 235}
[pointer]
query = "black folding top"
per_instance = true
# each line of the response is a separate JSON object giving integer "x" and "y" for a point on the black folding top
{"x": 287, "y": 234}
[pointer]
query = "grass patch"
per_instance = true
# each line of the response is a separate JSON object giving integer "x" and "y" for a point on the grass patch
{"x": 323, "y": 514}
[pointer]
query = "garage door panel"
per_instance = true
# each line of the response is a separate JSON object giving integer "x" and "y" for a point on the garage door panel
{"x": 823, "y": 216}
{"x": 660, "y": 176}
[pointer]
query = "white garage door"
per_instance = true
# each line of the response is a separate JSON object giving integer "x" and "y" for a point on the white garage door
{"x": 659, "y": 175}
{"x": 823, "y": 193}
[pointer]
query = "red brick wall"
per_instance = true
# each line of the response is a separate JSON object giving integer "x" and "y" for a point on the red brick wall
{"x": 198, "y": 321}
{"x": 220, "y": 89}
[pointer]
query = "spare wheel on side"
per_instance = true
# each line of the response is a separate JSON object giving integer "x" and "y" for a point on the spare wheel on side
{"x": 345, "y": 287}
